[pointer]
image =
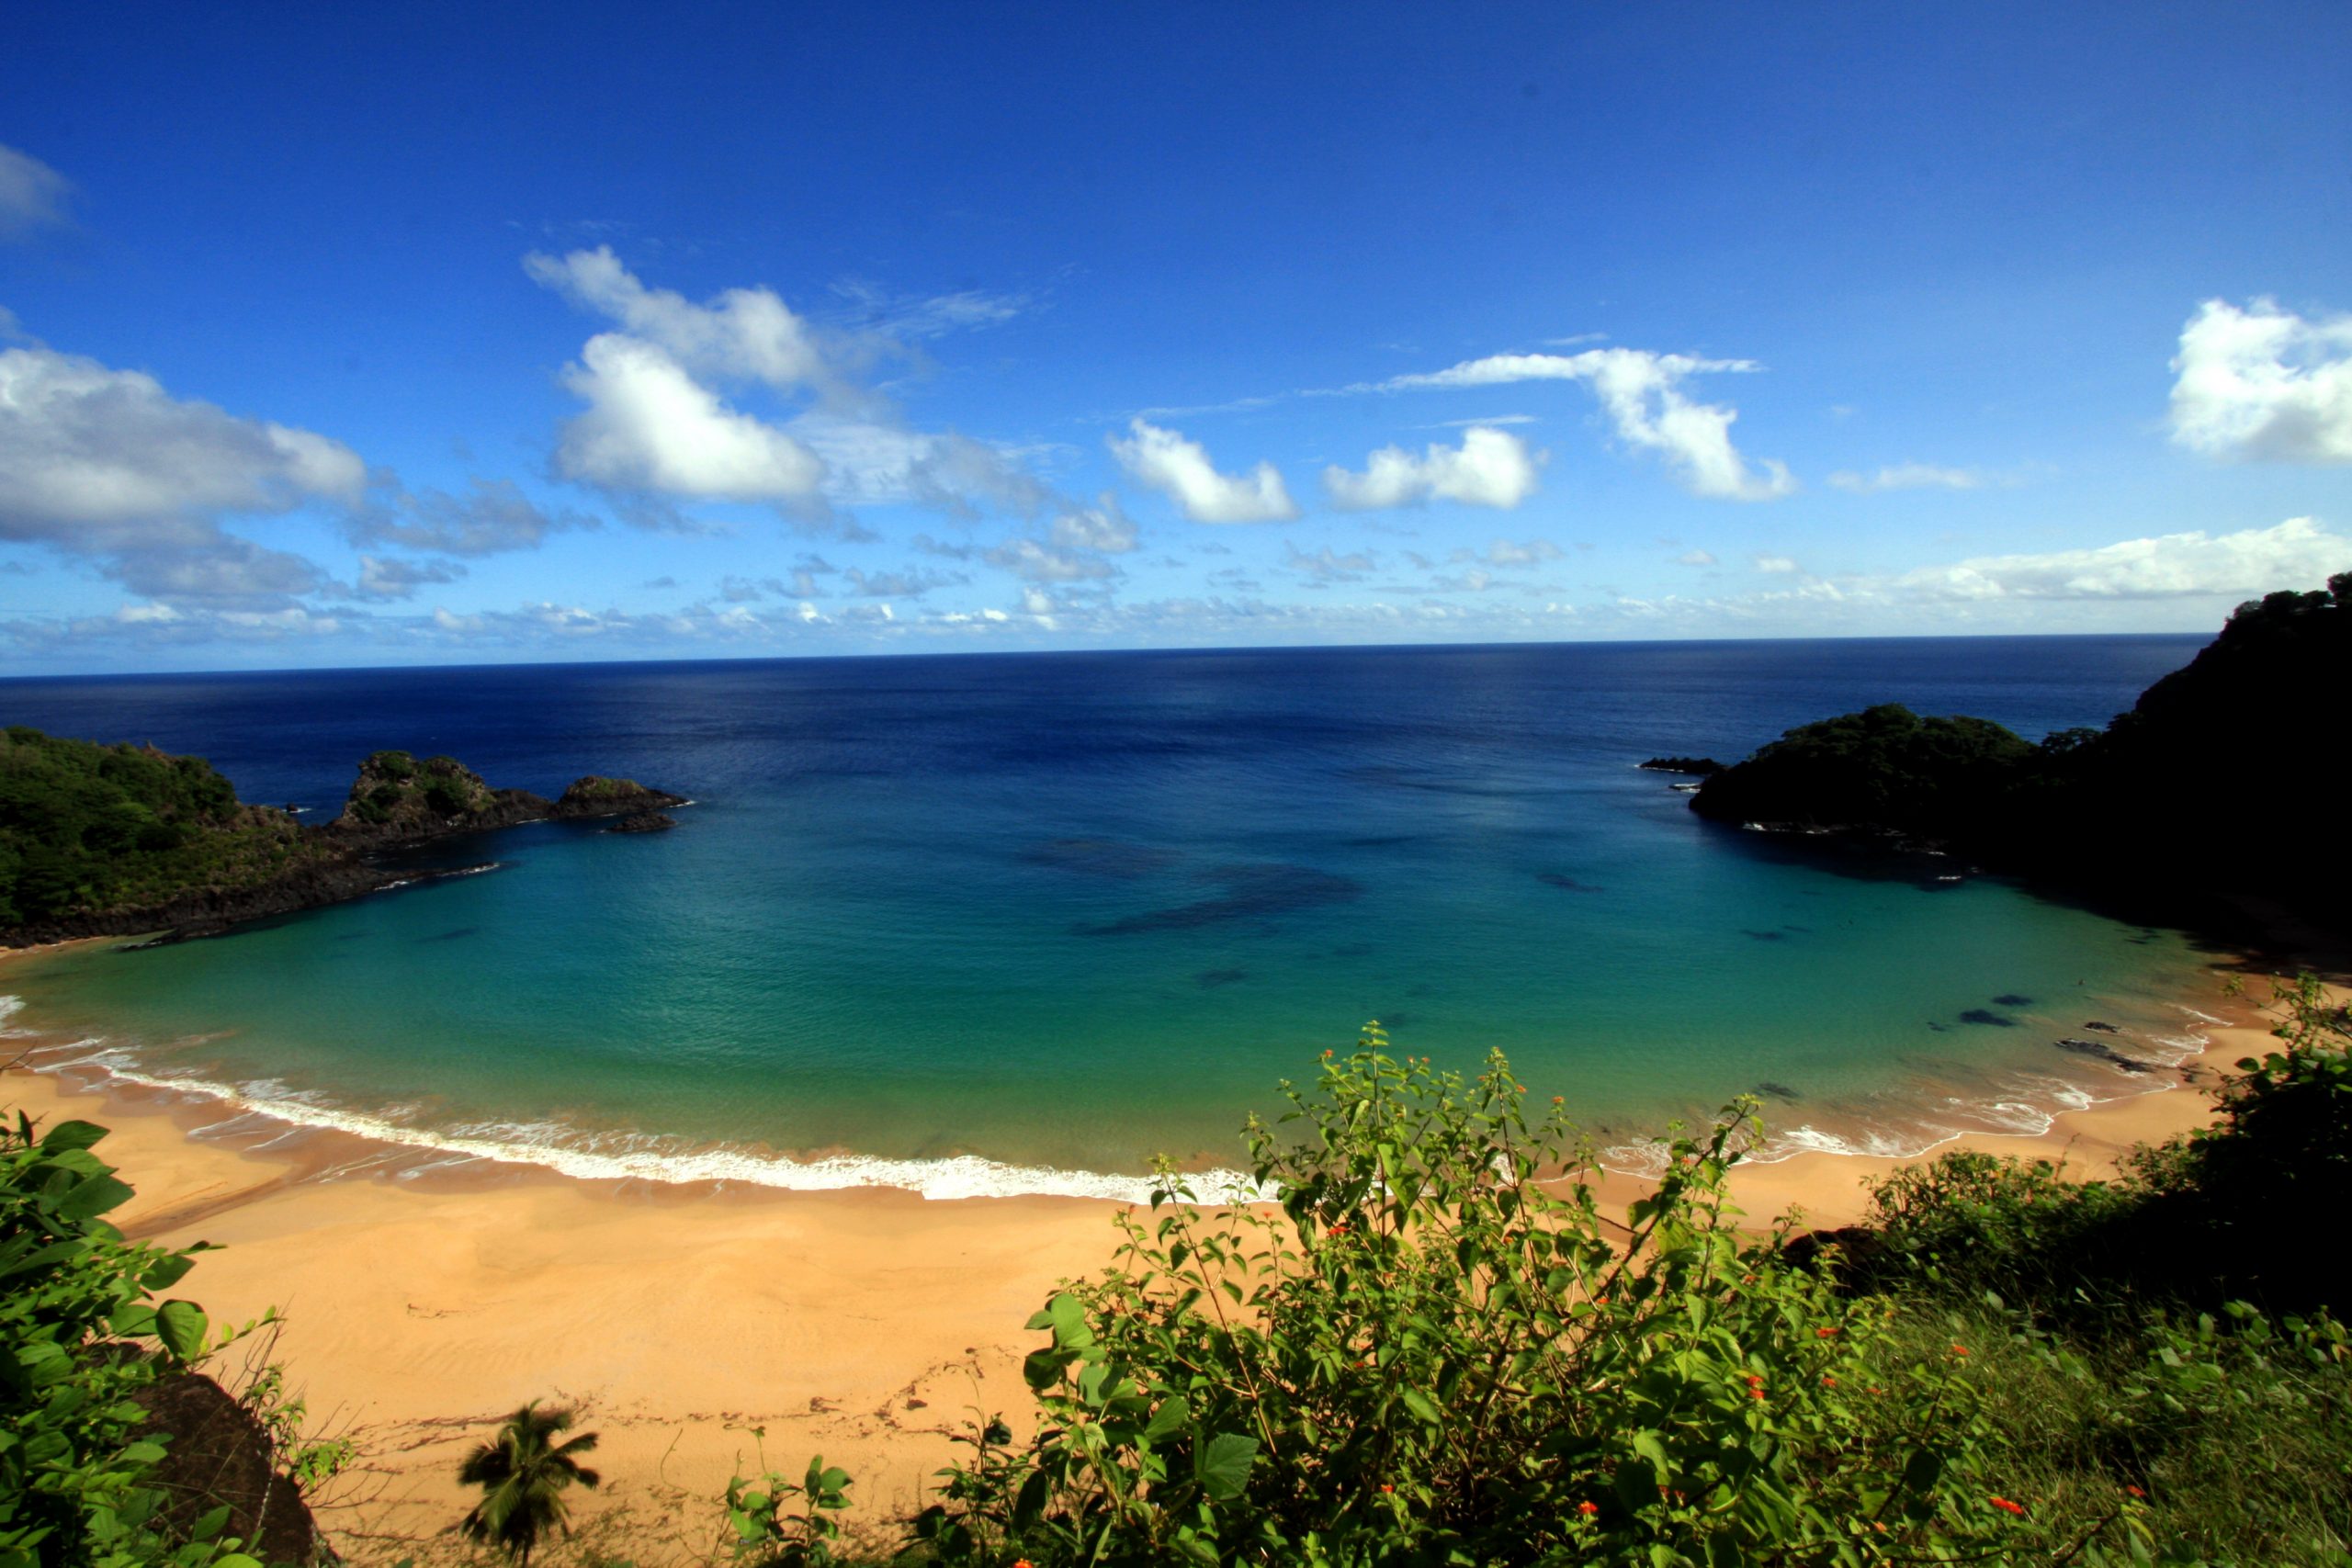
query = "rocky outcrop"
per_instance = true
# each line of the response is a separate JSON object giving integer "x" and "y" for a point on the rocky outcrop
{"x": 644, "y": 822}
{"x": 220, "y": 1456}
{"x": 1701, "y": 766}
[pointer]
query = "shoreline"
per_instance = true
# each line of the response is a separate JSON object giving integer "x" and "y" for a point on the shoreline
{"x": 423, "y": 1301}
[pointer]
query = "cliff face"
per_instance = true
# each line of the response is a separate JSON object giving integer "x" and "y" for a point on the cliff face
{"x": 78, "y": 859}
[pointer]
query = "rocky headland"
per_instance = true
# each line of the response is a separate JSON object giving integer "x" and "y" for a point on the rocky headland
{"x": 129, "y": 840}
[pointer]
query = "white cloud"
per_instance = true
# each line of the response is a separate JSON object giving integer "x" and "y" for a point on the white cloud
{"x": 1695, "y": 557}
{"x": 1775, "y": 564}
{"x": 1491, "y": 467}
{"x": 1168, "y": 462}
{"x": 651, "y": 426}
{"x": 2242, "y": 564}
{"x": 1640, "y": 393}
{"x": 1906, "y": 476}
{"x": 745, "y": 333}
{"x": 1102, "y": 526}
{"x": 2264, "y": 383}
{"x": 91, "y": 457}
{"x": 32, "y": 195}
{"x": 105, "y": 464}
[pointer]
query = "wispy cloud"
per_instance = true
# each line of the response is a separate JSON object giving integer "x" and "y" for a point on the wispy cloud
{"x": 1906, "y": 476}
{"x": 1642, "y": 394}
{"x": 32, "y": 195}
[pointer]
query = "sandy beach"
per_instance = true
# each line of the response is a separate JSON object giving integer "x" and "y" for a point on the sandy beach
{"x": 866, "y": 1325}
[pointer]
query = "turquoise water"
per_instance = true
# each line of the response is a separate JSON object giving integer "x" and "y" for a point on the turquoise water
{"x": 1007, "y": 919}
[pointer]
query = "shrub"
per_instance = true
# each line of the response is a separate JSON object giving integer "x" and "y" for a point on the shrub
{"x": 79, "y": 1335}
{"x": 1437, "y": 1348}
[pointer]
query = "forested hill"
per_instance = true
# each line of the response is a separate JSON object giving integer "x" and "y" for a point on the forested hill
{"x": 2177, "y": 794}
{"x": 84, "y": 826}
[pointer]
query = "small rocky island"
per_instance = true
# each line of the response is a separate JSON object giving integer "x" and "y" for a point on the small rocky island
{"x": 119, "y": 841}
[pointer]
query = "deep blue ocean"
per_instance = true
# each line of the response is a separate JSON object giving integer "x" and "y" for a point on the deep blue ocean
{"x": 1020, "y": 922}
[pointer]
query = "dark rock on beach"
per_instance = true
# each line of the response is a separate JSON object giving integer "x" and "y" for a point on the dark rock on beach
{"x": 644, "y": 822}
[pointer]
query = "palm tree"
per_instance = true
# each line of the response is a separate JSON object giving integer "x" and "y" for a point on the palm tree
{"x": 523, "y": 1472}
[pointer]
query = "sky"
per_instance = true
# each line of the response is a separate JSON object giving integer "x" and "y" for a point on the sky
{"x": 377, "y": 334}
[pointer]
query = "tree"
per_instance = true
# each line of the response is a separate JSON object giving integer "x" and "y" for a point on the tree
{"x": 523, "y": 1473}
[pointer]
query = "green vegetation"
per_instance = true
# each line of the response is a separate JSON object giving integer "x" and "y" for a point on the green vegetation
{"x": 81, "y": 1336}
{"x": 85, "y": 826}
{"x": 524, "y": 1473}
{"x": 2109, "y": 806}
{"x": 396, "y": 790}
{"x": 1885, "y": 766}
{"x": 1428, "y": 1355}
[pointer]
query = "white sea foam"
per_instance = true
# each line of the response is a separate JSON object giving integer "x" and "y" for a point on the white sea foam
{"x": 625, "y": 1156}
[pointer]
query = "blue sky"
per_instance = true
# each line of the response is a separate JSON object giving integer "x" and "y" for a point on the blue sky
{"x": 448, "y": 334}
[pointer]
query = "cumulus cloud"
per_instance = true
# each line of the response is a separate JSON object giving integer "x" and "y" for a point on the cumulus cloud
{"x": 32, "y": 195}
{"x": 742, "y": 333}
{"x": 382, "y": 579}
{"x": 105, "y": 464}
{"x": 651, "y": 426}
{"x": 1642, "y": 395}
{"x": 2264, "y": 383}
{"x": 1906, "y": 476}
{"x": 1695, "y": 557}
{"x": 494, "y": 516}
{"x": 1775, "y": 564}
{"x": 2253, "y": 561}
{"x": 898, "y": 584}
{"x": 1491, "y": 467}
{"x": 91, "y": 457}
{"x": 1166, "y": 461}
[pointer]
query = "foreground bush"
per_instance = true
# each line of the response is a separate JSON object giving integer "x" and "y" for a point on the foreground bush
{"x": 80, "y": 1336}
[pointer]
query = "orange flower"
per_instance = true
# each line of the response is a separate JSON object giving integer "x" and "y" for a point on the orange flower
{"x": 1559, "y": 1100}
{"x": 2135, "y": 1492}
{"x": 1960, "y": 1349}
{"x": 1385, "y": 1487}
{"x": 1587, "y": 1508}
{"x": 2006, "y": 1507}
{"x": 1828, "y": 1382}
{"x": 1755, "y": 1393}
{"x": 1823, "y": 1333}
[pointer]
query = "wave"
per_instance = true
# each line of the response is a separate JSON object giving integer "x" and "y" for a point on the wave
{"x": 611, "y": 1157}
{"x": 2024, "y": 1104}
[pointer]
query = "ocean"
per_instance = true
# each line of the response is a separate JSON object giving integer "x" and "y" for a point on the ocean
{"x": 1010, "y": 923}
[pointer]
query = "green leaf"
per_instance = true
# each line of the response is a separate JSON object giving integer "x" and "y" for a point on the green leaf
{"x": 1223, "y": 1467}
{"x": 71, "y": 1136}
{"x": 182, "y": 1325}
{"x": 93, "y": 1196}
{"x": 1649, "y": 1446}
{"x": 1172, "y": 1416}
{"x": 1420, "y": 1405}
{"x": 1922, "y": 1470}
